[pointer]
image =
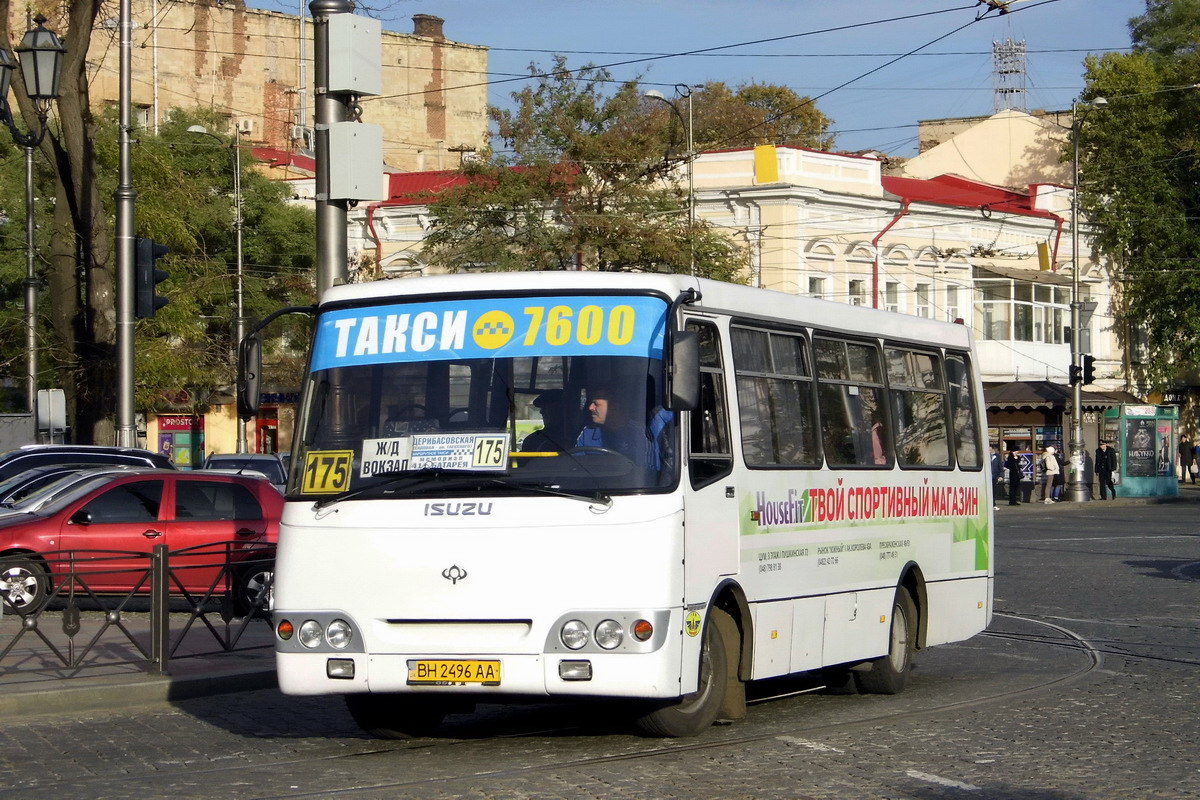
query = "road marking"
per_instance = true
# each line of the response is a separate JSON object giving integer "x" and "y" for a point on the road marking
{"x": 820, "y": 748}
{"x": 925, "y": 776}
{"x": 1109, "y": 538}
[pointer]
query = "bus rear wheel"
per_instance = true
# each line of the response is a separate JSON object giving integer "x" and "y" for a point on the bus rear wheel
{"x": 694, "y": 713}
{"x": 888, "y": 674}
{"x": 395, "y": 717}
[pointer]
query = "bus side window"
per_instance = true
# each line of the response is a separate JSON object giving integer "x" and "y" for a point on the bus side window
{"x": 962, "y": 411}
{"x": 850, "y": 396}
{"x": 919, "y": 415}
{"x": 774, "y": 390}
{"x": 710, "y": 456}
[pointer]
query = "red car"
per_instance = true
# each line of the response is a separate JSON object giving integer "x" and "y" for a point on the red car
{"x": 129, "y": 513}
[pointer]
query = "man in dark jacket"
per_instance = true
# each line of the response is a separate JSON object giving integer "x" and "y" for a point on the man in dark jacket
{"x": 1187, "y": 457}
{"x": 1106, "y": 465}
{"x": 1015, "y": 473}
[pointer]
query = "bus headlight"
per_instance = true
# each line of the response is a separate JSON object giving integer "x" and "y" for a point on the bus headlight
{"x": 311, "y": 634}
{"x": 609, "y": 634}
{"x": 338, "y": 634}
{"x": 574, "y": 634}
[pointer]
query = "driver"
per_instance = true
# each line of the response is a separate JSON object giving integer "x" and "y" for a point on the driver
{"x": 612, "y": 429}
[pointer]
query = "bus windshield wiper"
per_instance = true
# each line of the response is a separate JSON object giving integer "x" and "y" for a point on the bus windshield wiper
{"x": 459, "y": 477}
{"x": 596, "y": 497}
{"x": 397, "y": 479}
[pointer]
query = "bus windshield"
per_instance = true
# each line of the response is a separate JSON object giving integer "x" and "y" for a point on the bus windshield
{"x": 496, "y": 395}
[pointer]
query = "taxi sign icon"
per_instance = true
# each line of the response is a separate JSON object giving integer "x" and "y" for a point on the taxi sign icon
{"x": 493, "y": 330}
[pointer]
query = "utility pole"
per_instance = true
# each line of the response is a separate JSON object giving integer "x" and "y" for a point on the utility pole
{"x": 125, "y": 196}
{"x": 328, "y": 108}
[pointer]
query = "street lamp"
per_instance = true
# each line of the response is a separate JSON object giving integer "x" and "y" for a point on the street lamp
{"x": 684, "y": 90}
{"x": 239, "y": 321}
{"x": 41, "y": 55}
{"x": 1078, "y": 490}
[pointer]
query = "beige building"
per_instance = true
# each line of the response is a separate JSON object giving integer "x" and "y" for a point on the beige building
{"x": 1011, "y": 149}
{"x": 256, "y": 67}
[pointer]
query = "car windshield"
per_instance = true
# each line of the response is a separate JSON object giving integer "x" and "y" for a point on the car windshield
{"x": 552, "y": 392}
{"x": 54, "y": 496}
{"x": 272, "y": 468}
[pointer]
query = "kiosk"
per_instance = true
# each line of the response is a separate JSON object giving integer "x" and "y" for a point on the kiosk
{"x": 1145, "y": 437}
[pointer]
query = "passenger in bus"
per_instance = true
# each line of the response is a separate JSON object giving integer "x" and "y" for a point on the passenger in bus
{"x": 554, "y": 435}
{"x": 612, "y": 429}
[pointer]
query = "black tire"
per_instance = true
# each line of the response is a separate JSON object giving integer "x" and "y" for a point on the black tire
{"x": 389, "y": 716}
{"x": 888, "y": 674}
{"x": 253, "y": 590}
{"x": 24, "y": 584}
{"x": 694, "y": 713}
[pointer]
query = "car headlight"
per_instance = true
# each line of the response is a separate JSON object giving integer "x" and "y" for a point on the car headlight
{"x": 338, "y": 634}
{"x": 609, "y": 634}
{"x": 311, "y": 634}
{"x": 574, "y": 634}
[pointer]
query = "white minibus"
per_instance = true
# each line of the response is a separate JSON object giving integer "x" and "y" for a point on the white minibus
{"x": 652, "y": 488}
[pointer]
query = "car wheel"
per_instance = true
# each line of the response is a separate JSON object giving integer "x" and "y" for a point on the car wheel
{"x": 24, "y": 584}
{"x": 254, "y": 590}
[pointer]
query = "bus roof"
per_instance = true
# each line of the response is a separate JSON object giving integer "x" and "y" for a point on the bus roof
{"x": 716, "y": 296}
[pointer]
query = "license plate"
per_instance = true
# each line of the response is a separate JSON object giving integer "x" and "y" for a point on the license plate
{"x": 450, "y": 673}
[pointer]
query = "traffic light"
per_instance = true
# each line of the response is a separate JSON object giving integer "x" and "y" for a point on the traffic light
{"x": 147, "y": 277}
{"x": 1076, "y": 373}
{"x": 1089, "y": 369}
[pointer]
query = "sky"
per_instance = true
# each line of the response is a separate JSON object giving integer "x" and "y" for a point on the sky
{"x": 951, "y": 77}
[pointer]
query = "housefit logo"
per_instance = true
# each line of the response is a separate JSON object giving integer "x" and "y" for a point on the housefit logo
{"x": 839, "y": 503}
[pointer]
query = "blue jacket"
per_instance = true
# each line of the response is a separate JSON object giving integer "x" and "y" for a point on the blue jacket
{"x": 643, "y": 446}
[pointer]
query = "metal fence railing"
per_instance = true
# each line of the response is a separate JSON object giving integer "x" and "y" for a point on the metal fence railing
{"x": 69, "y": 610}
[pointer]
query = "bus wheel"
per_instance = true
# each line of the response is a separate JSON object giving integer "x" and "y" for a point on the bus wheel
{"x": 395, "y": 717}
{"x": 888, "y": 674}
{"x": 694, "y": 713}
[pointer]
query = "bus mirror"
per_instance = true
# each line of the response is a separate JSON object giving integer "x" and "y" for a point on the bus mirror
{"x": 685, "y": 371}
{"x": 249, "y": 376}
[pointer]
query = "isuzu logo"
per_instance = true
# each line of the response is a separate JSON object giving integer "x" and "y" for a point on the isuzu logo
{"x": 458, "y": 509}
{"x": 454, "y": 573}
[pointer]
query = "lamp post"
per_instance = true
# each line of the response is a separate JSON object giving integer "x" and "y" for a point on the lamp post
{"x": 41, "y": 55}
{"x": 1079, "y": 490}
{"x": 684, "y": 90}
{"x": 239, "y": 320}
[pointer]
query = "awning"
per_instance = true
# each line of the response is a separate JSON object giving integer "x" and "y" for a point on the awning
{"x": 1028, "y": 275}
{"x": 1026, "y": 395}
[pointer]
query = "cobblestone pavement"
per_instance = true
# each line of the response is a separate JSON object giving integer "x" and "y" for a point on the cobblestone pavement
{"x": 981, "y": 719}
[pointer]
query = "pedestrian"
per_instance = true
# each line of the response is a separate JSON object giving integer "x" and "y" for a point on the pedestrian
{"x": 1056, "y": 489}
{"x": 1050, "y": 471}
{"x": 997, "y": 462}
{"x": 1015, "y": 473}
{"x": 1187, "y": 461}
{"x": 1106, "y": 465}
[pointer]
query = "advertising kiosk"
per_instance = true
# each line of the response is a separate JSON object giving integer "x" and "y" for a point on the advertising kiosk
{"x": 1146, "y": 438}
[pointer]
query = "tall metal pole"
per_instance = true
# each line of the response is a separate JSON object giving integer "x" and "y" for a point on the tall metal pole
{"x": 239, "y": 323}
{"x": 31, "y": 358}
{"x": 691, "y": 157}
{"x": 125, "y": 197}
{"x": 328, "y": 108}
{"x": 1078, "y": 490}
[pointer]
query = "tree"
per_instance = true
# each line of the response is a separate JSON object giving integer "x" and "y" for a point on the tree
{"x": 585, "y": 181}
{"x": 185, "y": 201}
{"x": 757, "y": 113}
{"x": 1140, "y": 185}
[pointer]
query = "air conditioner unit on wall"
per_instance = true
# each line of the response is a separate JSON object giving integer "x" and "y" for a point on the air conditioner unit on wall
{"x": 245, "y": 125}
